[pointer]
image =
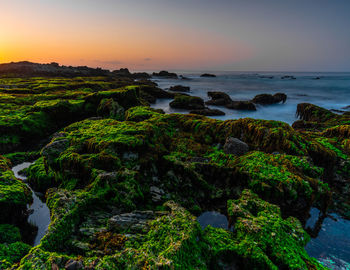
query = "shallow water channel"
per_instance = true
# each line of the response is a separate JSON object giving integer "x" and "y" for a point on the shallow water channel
{"x": 39, "y": 212}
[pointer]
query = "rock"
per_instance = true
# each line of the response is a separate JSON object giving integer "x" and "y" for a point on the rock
{"x": 140, "y": 75}
{"x": 26, "y": 68}
{"x": 73, "y": 265}
{"x": 223, "y": 99}
{"x": 208, "y": 75}
{"x": 289, "y": 77}
{"x": 165, "y": 74}
{"x": 235, "y": 146}
{"x": 208, "y": 112}
{"x": 122, "y": 71}
{"x": 266, "y": 77}
{"x": 280, "y": 97}
{"x": 263, "y": 99}
{"x": 187, "y": 102}
{"x": 54, "y": 149}
{"x": 131, "y": 222}
{"x": 180, "y": 88}
{"x": 184, "y": 78}
{"x": 269, "y": 99}
{"x": 111, "y": 109}
{"x": 241, "y": 105}
{"x": 155, "y": 92}
{"x": 156, "y": 193}
{"x": 218, "y": 99}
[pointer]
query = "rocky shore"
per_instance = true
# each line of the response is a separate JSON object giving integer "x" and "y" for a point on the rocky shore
{"x": 124, "y": 182}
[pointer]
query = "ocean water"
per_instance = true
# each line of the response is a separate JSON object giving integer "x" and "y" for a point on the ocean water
{"x": 331, "y": 246}
{"x": 331, "y": 91}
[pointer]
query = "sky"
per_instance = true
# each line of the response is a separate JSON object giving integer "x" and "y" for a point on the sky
{"x": 220, "y": 35}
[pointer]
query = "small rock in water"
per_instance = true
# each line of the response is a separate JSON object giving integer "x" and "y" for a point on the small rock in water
{"x": 235, "y": 146}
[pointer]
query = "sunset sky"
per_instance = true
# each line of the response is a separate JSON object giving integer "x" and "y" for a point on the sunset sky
{"x": 252, "y": 35}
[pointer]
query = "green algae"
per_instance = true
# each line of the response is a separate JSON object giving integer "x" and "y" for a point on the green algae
{"x": 263, "y": 238}
{"x": 11, "y": 247}
{"x": 100, "y": 165}
{"x": 284, "y": 176}
{"x": 13, "y": 193}
{"x": 57, "y": 102}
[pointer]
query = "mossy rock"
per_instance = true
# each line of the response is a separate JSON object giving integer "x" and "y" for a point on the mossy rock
{"x": 187, "y": 102}
{"x": 14, "y": 194}
{"x": 262, "y": 239}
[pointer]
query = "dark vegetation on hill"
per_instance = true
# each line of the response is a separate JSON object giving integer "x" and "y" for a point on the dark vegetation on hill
{"x": 124, "y": 182}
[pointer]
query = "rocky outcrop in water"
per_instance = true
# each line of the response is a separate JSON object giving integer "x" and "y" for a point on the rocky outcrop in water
{"x": 187, "y": 102}
{"x": 223, "y": 99}
{"x": 270, "y": 99}
{"x": 165, "y": 74}
{"x": 208, "y": 75}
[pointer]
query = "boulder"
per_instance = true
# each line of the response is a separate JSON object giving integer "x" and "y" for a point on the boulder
{"x": 155, "y": 92}
{"x": 223, "y": 99}
{"x": 208, "y": 75}
{"x": 180, "y": 88}
{"x": 187, "y": 102}
{"x": 110, "y": 109}
{"x": 235, "y": 146}
{"x": 270, "y": 99}
{"x": 218, "y": 99}
{"x": 280, "y": 97}
{"x": 208, "y": 112}
{"x": 52, "y": 150}
{"x": 165, "y": 74}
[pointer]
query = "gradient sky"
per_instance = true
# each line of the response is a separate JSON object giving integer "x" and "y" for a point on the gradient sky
{"x": 252, "y": 35}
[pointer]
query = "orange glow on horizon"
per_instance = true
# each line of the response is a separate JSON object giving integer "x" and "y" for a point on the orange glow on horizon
{"x": 136, "y": 47}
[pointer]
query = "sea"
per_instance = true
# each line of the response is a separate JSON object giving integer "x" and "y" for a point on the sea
{"x": 328, "y": 90}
